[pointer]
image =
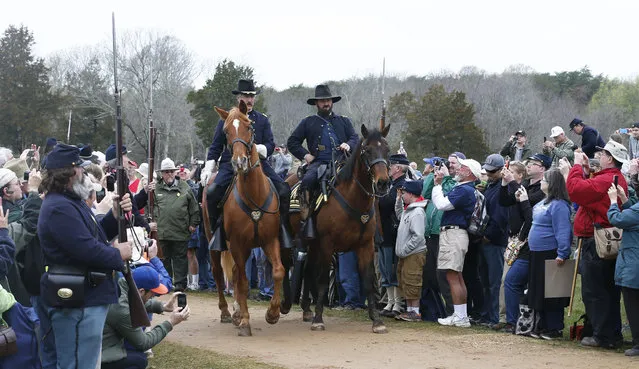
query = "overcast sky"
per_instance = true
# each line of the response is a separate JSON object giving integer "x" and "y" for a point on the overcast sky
{"x": 292, "y": 42}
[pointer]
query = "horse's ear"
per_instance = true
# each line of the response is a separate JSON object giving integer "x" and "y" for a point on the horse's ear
{"x": 243, "y": 107}
{"x": 222, "y": 113}
{"x": 364, "y": 131}
{"x": 385, "y": 131}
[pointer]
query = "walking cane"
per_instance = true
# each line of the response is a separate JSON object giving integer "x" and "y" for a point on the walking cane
{"x": 574, "y": 277}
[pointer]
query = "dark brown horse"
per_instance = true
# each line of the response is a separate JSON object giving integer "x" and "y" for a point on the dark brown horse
{"x": 347, "y": 222}
{"x": 251, "y": 219}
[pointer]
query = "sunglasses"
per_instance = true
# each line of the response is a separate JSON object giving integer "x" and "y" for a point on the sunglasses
{"x": 168, "y": 171}
{"x": 493, "y": 171}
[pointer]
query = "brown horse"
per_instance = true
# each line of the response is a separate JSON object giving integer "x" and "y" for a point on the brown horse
{"x": 347, "y": 222}
{"x": 251, "y": 219}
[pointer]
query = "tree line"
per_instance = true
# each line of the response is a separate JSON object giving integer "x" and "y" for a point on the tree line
{"x": 469, "y": 110}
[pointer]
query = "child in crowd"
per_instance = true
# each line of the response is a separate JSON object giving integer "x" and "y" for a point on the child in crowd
{"x": 410, "y": 246}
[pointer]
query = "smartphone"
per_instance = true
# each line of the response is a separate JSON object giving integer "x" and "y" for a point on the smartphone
{"x": 181, "y": 300}
{"x": 545, "y": 139}
{"x": 110, "y": 183}
{"x": 507, "y": 164}
{"x": 26, "y": 176}
{"x": 623, "y": 130}
{"x": 616, "y": 180}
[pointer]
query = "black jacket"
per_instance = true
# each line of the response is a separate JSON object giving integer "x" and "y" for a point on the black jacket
{"x": 311, "y": 128}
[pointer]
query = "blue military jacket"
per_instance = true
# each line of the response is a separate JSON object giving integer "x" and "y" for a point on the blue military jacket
{"x": 263, "y": 136}
{"x": 311, "y": 128}
{"x": 70, "y": 235}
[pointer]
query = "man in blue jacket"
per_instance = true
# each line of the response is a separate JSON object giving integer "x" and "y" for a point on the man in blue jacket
{"x": 590, "y": 138}
{"x": 75, "y": 244}
{"x": 495, "y": 240}
{"x": 324, "y": 133}
{"x": 220, "y": 154}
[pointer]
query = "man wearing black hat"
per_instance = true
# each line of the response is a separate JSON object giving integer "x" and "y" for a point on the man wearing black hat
{"x": 390, "y": 223}
{"x": 324, "y": 133}
{"x": 219, "y": 154}
{"x": 76, "y": 247}
{"x": 516, "y": 147}
{"x": 590, "y": 137}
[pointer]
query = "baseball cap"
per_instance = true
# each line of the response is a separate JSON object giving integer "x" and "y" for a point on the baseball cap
{"x": 574, "y": 122}
{"x": 494, "y": 162}
{"x": 616, "y": 150}
{"x": 149, "y": 279}
{"x": 458, "y": 155}
{"x": 556, "y": 131}
{"x": 520, "y": 133}
{"x": 414, "y": 187}
{"x": 473, "y": 165}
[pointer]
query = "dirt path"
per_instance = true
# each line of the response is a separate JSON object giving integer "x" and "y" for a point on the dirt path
{"x": 351, "y": 344}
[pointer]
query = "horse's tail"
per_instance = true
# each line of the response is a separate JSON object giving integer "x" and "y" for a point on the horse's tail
{"x": 227, "y": 265}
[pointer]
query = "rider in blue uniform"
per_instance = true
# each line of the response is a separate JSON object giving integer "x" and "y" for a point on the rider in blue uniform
{"x": 219, "y": 153}
{"x": 324, "y": 132}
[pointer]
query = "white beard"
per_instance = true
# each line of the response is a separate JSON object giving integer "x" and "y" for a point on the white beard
{"x": 82, "y": 187}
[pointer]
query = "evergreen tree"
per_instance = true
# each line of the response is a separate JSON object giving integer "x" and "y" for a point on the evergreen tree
{"x": 217, "y": 92}
{"x": 439, "y": 123}
{"x": 27, "y": 107}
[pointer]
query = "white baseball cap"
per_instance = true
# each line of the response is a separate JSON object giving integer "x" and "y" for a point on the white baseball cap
{"x": 556, "y": 131}
{"x": 473, "y": 165}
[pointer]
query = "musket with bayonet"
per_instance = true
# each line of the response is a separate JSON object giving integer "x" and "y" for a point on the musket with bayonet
{"x": 151, "y": 161}
{"x": 137, "y": 311}
{"x": 382, "y": 119}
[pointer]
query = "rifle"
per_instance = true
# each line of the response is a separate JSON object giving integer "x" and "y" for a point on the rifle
{"x": 137, "y": 311}
{"x": 382, "y": 119}
{"x": 151, "y": 174}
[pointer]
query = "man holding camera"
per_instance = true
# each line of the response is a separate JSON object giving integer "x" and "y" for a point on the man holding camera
{"x": 516, "y": 147}
{"x": 123, "y": 345}
{"x": 78, "y": 285}
{"x": 560, "y": 147}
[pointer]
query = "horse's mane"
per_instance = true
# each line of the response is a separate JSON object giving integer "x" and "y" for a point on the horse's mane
{"x": 346, "y": 173}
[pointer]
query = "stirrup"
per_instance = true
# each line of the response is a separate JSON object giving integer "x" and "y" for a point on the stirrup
{"x": 217, "y": 244}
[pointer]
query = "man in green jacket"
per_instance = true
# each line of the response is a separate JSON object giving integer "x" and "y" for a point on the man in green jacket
{"x": 117, "y": 329}
{"x": 434, "y": 278}
{"x": 178, "y": 215}
{"x": 559, "y": 147}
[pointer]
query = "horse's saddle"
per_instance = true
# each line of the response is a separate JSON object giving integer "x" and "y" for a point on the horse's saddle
{"x": 326, "y": 176}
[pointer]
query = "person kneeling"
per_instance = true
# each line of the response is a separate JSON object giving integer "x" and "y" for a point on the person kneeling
{"x": 116, "y": 353}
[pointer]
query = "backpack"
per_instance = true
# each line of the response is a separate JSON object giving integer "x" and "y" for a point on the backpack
{"x": 30, "y": 263}
{"x": 479, "y": 219}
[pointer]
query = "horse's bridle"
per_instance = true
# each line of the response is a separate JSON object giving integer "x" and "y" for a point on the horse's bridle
{"x": 249, "y": 145}
{"x": 369, "y": 164}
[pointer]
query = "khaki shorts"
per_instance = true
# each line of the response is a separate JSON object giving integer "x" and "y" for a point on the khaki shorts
{"x": 409, "y": 275}
{"x": 453, "y": 245}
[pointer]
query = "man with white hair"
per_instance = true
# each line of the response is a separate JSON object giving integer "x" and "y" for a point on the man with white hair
{"x": 560, "y": 147}
{"x": 5, "y": 155}
{"x": 178, "y": 214}
{"x": 11, "y": 191}
{"x": 458, "y": 208}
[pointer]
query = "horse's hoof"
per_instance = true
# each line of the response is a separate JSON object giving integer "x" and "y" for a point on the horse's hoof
{"x": 318, "y": 327}
{"x": 285, "y": 308}
{"x": 236, "y": 319}
{"x": 307, "y": 316}
{"x": 244, "y": 331}
{"x": 272, "y": 319}
{"x": 226, "y": 319}
{"x": 380, "y": 329}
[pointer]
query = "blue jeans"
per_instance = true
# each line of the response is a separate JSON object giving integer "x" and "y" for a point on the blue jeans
{"x": 349, "y": 280}
{"x": 264, "y": 272}
{"x": 388, "y": 266}
{"x": 204, "y": 262}
{"x": 46, "y": 340}
{"x": 78, "y": 335}
{"x": 491, "y": 268}
{"x": 134, "y": 360}
{"x": 514, "y": 285}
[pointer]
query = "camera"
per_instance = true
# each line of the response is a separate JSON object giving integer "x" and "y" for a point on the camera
{"x": 181, "y": 300}
{"x": 110, "y": 182}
